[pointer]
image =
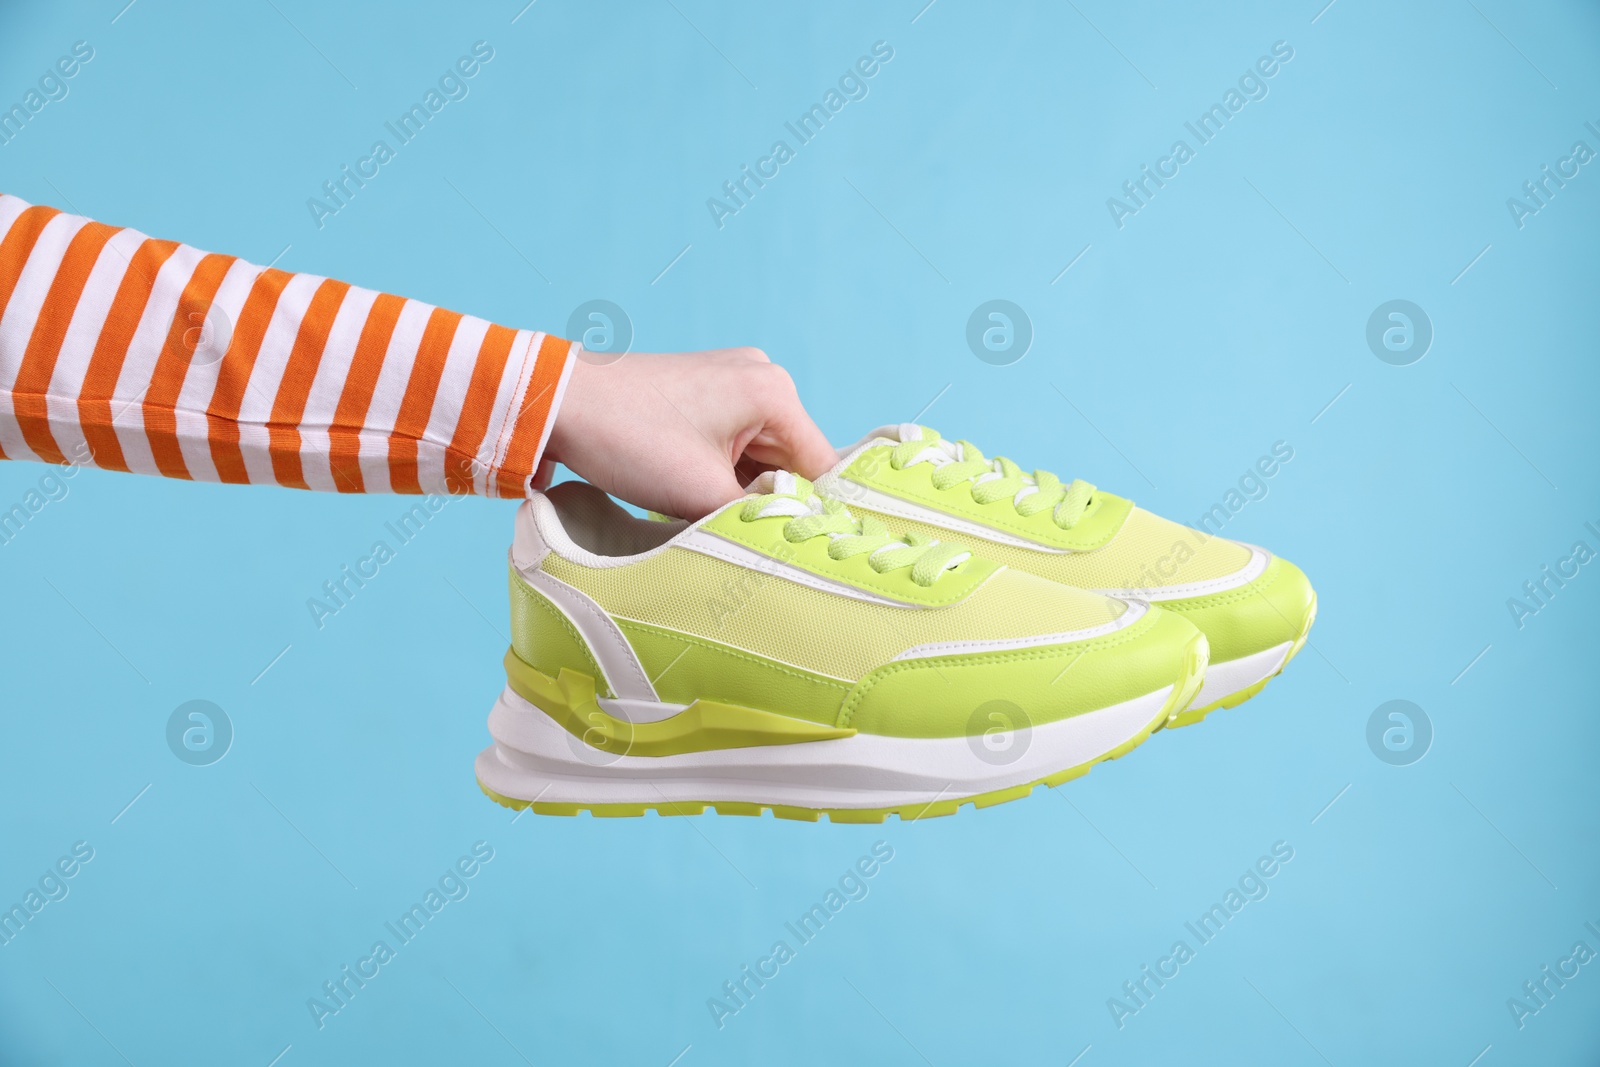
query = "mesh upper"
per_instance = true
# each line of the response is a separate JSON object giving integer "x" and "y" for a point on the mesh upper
{"x": 826, "y": 633}
{"x": 1147, "y": 553}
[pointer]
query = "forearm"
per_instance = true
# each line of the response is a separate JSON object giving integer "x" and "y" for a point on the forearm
{"x": 128, "y": 353}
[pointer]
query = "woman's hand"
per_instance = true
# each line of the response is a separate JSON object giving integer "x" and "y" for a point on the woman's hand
{"x": 683, "y": 434}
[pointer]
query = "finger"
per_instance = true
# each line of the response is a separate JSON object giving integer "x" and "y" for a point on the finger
{"x": 748, "y": 470}
{"x": 791, "y": 440}
{"x": 704, "y": 488}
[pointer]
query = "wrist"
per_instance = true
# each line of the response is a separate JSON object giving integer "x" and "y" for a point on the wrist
{"x": 571, "y": 413}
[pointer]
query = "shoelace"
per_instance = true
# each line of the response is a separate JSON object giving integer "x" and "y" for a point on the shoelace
{"x": 996, "y": 479}
{"x": 811, "y": 516}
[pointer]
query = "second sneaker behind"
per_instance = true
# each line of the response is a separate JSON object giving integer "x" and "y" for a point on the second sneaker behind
{"x": 1255, "y": 608}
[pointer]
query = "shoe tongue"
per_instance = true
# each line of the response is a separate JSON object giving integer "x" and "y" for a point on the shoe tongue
{"x": 780, "y": 483}
{"x": 897, "y": 432}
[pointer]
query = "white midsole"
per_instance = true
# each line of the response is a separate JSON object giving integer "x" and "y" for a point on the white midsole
{"x": 1226, "y": 679}
{"x": 534, "y": 758}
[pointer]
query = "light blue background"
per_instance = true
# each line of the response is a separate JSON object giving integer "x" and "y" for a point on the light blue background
{"x": 1221, "y": 319}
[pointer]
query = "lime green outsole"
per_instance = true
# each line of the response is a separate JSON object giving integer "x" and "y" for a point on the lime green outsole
{"x": 1233, "y": 700}
{"x": 1188, "y": 685}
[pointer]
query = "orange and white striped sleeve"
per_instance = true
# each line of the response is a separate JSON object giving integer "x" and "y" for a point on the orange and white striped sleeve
{"x": 129, "y": 353}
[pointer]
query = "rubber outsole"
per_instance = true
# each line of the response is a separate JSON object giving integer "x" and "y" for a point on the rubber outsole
{"x": 1182, "y": 693}
{"x": 1233, "y": 700}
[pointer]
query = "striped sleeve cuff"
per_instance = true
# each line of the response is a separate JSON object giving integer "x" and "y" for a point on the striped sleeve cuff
{"x": 537, "y": 382}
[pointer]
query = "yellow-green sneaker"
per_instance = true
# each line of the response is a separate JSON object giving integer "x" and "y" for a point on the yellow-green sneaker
{"x": 1254, "y": 608}
{"x": 782, "y": 653}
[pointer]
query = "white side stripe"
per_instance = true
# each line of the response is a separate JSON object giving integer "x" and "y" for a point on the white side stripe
{"x": 710, "y": 544}
{"x": 856, "y": 495}
{"x": 1259, "y": 558}
{"x": 616, "y": 657}
{"x": 1135, "y": 611}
